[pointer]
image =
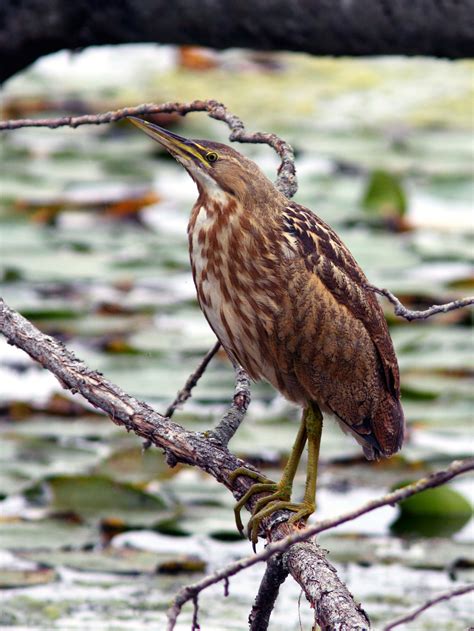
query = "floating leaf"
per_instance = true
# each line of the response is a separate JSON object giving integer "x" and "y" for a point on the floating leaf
{"x": 100, "y": 496}
{"x": 435, "y": 512}
{"x": 39, "y": 575}
{"x": 384, "y": 195}
{"x": 134, "y": 465}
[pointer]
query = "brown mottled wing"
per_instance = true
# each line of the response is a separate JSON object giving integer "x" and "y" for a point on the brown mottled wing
{"x": 337, "y": 279}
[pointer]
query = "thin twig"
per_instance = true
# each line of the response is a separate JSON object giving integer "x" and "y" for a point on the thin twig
{"x": 185, "y": 393}
{"x": 408, "y": 314}
{"x": 234, "y": 416}
{"x": 435, "y": 479}
{"x": 195, "y": 623}
{"x": 286, "y": 179}
{"x": 459, "y": 591}
{"x": 275, "y": 575}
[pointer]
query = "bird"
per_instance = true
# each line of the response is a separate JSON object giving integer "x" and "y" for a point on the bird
{"x": 289, "y": 304}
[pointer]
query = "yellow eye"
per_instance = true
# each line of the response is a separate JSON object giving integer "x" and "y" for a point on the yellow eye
{"x": 211, "y": 156}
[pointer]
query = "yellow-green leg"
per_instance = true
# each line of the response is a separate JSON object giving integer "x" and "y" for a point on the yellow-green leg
{"x": 313, "y": 424}
{"x": 280, "y": 490}
{"x": 314, "y": 428}
{"x": 310, "y": 430}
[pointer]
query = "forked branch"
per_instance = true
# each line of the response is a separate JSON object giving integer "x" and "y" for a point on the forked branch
{"x": 288, "y": 547}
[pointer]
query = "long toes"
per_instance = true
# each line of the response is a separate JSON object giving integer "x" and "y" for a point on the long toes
{"x": 305, "y": 510}
{"x": 248, "y": 473}
{"x": 268, "y": 499}
{"x": 255, "y": 488}
{"x": 302, "y": 511}
{"x": 274, "y": 505}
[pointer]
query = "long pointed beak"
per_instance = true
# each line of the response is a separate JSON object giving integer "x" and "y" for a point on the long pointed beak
{"x": 178, "y": 146}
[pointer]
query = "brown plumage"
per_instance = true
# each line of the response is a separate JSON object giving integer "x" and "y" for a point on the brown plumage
{"x": 285, "y": 296}
{"x": 290, "y": 304}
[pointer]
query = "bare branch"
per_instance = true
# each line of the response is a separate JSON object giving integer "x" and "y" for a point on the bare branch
{"x": 179, "y": 444}
{"x": 29, "y": 29}
{"x": 287, "y": 544}
{"x": 459, "y": 591}
{"x": 409, "y": 315}
{"x": 232, "y": 419}
{"x": 185, "y": 393}
{"x": 286, "y": 179}
{"x": 275, "y": 575}
{"x": 333, "y": 606}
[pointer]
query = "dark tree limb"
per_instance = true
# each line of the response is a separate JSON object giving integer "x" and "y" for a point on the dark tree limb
{"x": 32, "y": 28}
{"x": 275, "y": 575}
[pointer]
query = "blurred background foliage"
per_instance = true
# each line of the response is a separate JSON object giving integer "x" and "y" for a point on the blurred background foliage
{"x": 94, "y": 532}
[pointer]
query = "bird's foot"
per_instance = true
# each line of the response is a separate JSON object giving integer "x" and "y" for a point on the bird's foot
{"x": 263, "y": 485}
{"x": 273, "y": 503}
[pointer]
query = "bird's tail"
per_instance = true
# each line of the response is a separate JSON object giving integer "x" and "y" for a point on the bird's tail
{"x": 388, "y": 427}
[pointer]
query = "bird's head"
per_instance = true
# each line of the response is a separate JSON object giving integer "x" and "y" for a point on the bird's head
{"x": 217, "y": 169}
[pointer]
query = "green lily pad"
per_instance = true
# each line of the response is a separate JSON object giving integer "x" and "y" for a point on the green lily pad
{"x": 435, "y": 512}
{"x": 384, "y": 195}
{"x": 99, "y": 496}
{"x": 50, "y": 534}
{"x": 134, "y": 465}
{"x": 126, "y": 561}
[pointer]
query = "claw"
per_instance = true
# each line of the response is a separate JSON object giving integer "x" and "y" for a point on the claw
{"x": 302, "y": 511}
{"x": 263, "y": 485}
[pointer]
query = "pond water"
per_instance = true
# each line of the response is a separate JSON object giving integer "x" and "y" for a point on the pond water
{"x": 93, "y": 532}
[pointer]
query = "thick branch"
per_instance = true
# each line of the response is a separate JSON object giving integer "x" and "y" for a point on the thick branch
{"x": 412, "y": 615}
{"x": 179, "y": 444}
{"x": 286, "y": 179}
{"x": 333, "y": 608}
{"x": 31, "y": 28}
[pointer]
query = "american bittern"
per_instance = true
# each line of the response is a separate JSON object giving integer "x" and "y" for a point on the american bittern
{"x": 290, "y": 304}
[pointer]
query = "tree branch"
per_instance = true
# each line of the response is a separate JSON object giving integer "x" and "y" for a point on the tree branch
{"x": 185, "y": 393}
{"x": 287, "y": 545}
{"x": 179, "y": 445}
{"x": 459, "y": 591}
{"x": 286, "y": 179}
{"x": 32, "y": 28}
{"x": 333, "y": 607}
{"x": 275, "y": 575}
{"x": 409, "y": 315}
{"x": 232, "y": 419}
